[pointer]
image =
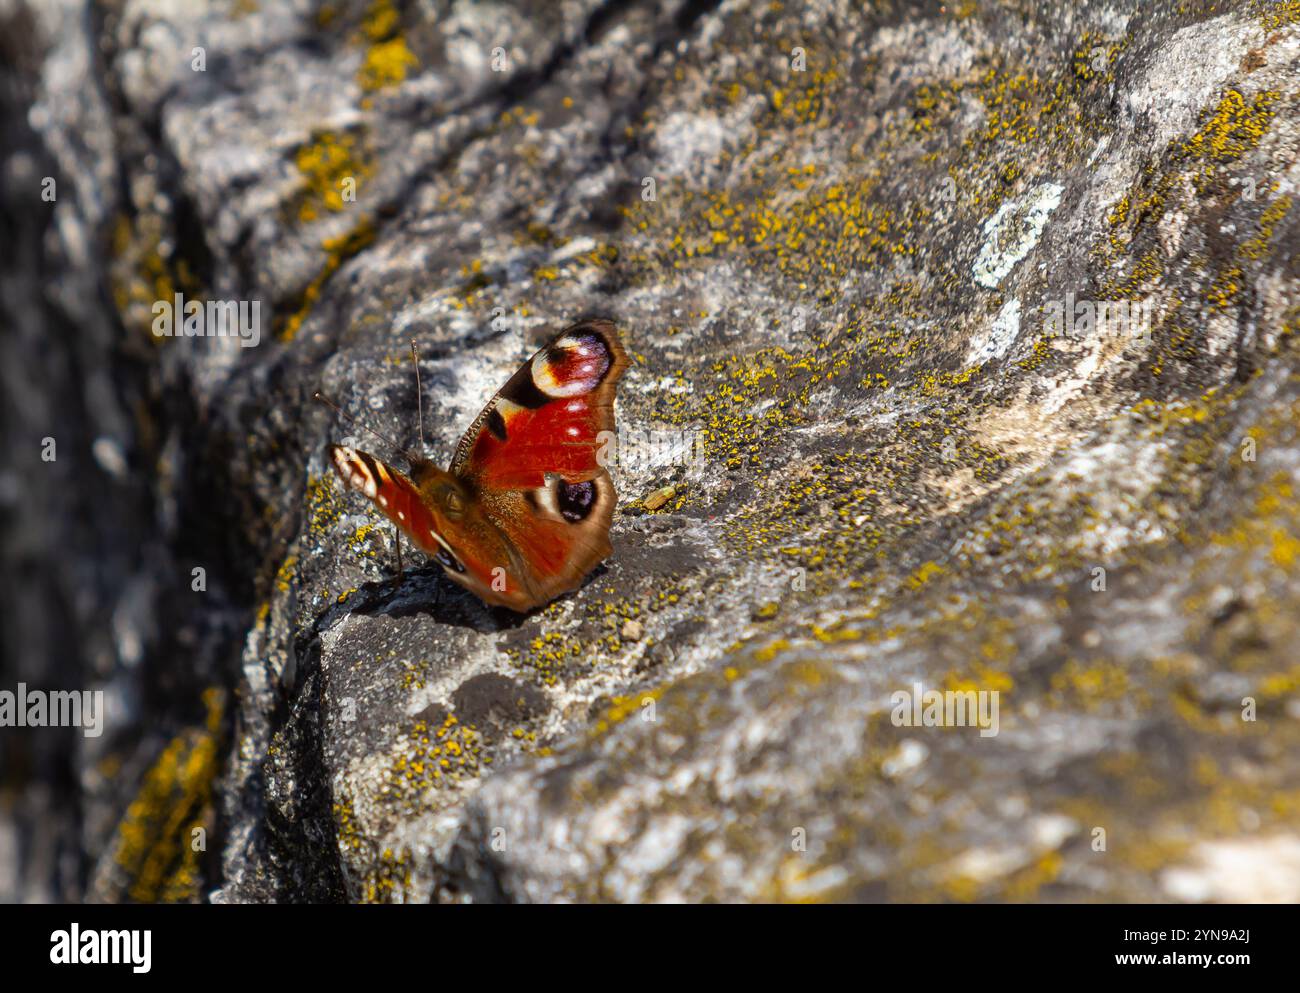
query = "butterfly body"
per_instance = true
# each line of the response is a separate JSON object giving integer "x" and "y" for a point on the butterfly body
{"x": 523, "y": 512}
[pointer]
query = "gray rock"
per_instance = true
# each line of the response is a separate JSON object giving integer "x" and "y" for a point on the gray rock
{"x": 880, "y": 435}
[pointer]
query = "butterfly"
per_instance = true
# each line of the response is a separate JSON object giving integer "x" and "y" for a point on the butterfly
{"x": 523, "y": 512}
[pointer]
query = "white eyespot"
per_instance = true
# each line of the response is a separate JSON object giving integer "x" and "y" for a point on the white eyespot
{"x": 383, "y": 501}
{"x": 401, "y": 515}
{"x": 584, "y": 362}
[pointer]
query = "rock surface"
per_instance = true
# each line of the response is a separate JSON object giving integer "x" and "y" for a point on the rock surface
{"x": 877, "y": 437}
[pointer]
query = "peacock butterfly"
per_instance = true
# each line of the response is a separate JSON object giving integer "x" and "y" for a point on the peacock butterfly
{"x": 523, "y": 512}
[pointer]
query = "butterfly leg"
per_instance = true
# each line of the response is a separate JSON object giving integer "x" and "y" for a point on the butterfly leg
{"x": 397, "y": 541}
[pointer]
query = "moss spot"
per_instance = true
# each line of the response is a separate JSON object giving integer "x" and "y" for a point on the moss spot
{"x": 327, "y": 162}
{"x": 388, "y": 58}
{"x": 156, "y": 844}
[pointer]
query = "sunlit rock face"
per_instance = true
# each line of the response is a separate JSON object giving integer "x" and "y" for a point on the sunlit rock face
{"x": 956, "y": 554}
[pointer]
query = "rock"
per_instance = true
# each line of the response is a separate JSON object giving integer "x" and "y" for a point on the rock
{"x": 964, "y": 363}
{"x": 1261, "y": 870}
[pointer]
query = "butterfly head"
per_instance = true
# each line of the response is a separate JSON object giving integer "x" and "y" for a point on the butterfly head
{"x": 468, "y": 546}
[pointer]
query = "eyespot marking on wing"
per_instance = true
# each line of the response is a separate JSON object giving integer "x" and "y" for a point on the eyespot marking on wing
{"x": 575, "y": 500}
{"x": 571, "y": 365}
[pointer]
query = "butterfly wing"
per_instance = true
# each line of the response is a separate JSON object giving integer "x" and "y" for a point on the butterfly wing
{"x": 532, "y": 461}
{"x": 396, "y": 496}
{"x": 441, "y": 518}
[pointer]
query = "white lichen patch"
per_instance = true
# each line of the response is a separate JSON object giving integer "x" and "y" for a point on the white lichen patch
{"x": 1221, "y": 333}
{"x": 1012, "y": 233}
{"x": 686, "y": 141}
{"x": 995, "y": 341}
{"x": 932, "y": 48}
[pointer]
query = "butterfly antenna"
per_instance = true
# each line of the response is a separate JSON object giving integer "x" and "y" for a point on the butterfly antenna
{"x": 419, "y": 394}
{"x": 364, "y": 427}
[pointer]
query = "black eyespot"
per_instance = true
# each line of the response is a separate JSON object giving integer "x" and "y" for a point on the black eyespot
{"x": 445, "y": 558}
{"x": 575, "y": 499}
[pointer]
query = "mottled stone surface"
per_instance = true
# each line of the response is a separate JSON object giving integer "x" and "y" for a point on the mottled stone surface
{"x": 858, "y": 452}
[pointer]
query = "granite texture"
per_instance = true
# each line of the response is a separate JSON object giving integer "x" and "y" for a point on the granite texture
{"x": 862, "y": 449}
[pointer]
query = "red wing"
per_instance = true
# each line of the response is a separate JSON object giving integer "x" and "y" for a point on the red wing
{"x": 533, "y": 458}
{"x": 560, "y": 531}
{"x": 393, "y": 493}
{"x": 549, "y": 416}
